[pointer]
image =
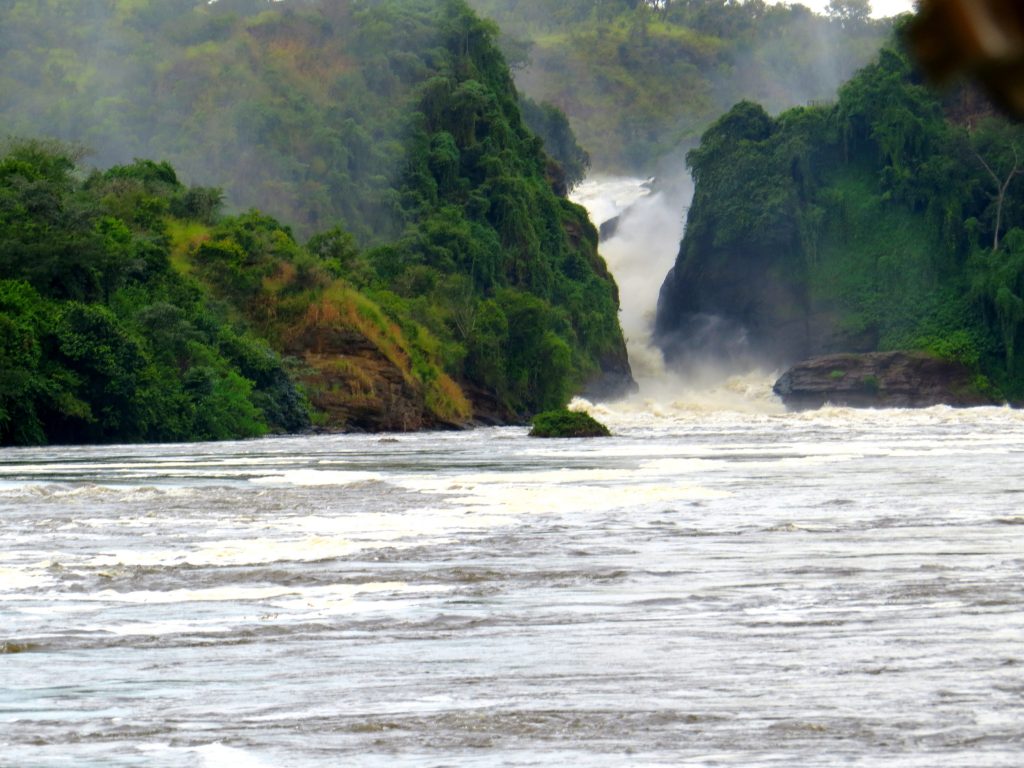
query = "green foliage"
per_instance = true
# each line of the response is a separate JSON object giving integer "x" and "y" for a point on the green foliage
{"x": 551, "y": 125}
{"x": 102, "y": 341}
{"x": 892, "y": 215}
{"x": 639, "y": 78}
{"x": 301, "y": 108}
{"x": 24, "y": 379}
{"x": 959, "y": 346}
{"x": 565, "y": 423}
{"x": 516, "y": 291}
{"x": 391, "y": 127}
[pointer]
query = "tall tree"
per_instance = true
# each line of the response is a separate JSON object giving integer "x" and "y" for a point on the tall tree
{"x": 999, "y": 148}
{"x": 849, "y": 10}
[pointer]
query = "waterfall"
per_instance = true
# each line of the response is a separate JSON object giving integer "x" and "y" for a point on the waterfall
{"x": 649, "y": 223}
{"x": 640, "y": 253}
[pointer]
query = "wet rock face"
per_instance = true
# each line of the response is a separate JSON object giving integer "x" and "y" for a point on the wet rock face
{"x": 608, "y": 228}
{"x": 614, "y": 382}
{"x": 741, "y": 308}
{"x": 879, "y": 380}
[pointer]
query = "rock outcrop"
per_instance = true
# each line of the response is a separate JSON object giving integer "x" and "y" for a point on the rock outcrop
{"x": 614, "y": 382}
{"x": 608, "y": 228}
{"x": 357, "y": 388}
{"x": 879, "y": 380}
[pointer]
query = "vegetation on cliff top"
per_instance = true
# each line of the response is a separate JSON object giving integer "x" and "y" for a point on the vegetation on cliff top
{"x": 443, "y": 268}
{"x": 300, "y": 108}
{"x": 890, "y": 220}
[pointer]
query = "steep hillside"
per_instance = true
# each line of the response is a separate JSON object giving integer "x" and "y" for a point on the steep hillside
{"x": 444, "y": 270}
{"x": 891, "y": 220}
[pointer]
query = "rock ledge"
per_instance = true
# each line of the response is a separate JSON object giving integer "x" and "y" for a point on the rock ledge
{"x": 879, "y": 380}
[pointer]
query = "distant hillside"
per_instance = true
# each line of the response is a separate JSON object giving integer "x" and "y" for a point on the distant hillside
{"x": 891, "y": 220}
{"x": 295, "y": 108}
{"x": 639, "y": 78}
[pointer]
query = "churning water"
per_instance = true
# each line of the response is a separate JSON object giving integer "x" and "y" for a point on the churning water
{"x": 705, "y": 588}
{"x": 719, "y": 584}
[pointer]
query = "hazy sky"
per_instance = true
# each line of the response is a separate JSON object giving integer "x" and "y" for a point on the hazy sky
{"x": 879, "y": 8}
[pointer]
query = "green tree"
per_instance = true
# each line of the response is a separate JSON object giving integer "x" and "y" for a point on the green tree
{"x": 849, "y": 11}
{"x": 998, "y": 147}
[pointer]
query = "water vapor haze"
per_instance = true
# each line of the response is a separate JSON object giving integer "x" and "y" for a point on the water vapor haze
{"x": 643, "y": 248}
{"x": 803, "y": 63}
{"x": 722, "y": 374}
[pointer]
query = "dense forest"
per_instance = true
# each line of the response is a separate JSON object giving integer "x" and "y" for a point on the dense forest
{"x": 434, "y": 271}
{"x": 100, "y": 338}
{"x": 300, "y": 108}
{"x": 640, "y": 78}
{"x": 891, "y": 219}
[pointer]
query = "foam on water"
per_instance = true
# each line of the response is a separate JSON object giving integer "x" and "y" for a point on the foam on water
{"x": 334, "y": 592}
{"x": 218, "y": 755}
{"x": 17, "y": 579}
{"x": 694, "y": 585}
{"x": 670, "y": 400}
{"x": 316, "y": 477}
{"x": 233, "y": 552}
{"x": 528, "y": 499}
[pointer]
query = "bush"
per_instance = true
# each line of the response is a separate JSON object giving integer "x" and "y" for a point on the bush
{"x": 565, "y": 423}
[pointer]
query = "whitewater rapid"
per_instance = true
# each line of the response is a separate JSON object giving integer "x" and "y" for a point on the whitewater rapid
{"x": 733, "y": 588}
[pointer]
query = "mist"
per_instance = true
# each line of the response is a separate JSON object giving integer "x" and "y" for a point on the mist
{"x": 773, "y": 74}
{"x": 256, "y": 96}
{"x": 644, "y": 246}
{"x": 642, "y": 84}
{"x": 721, "y": 371}
{"x": 779, "y": 57}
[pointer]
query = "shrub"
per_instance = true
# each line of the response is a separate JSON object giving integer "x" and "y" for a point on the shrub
{"x": 565, "y": 423}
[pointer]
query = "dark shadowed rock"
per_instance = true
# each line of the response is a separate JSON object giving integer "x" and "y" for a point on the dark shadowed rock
{"x": 608, "y": 228}
{"x": 614, "y": 382}
{"x": 879, "y": 380}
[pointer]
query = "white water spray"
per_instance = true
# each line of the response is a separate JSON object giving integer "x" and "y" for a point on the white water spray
{"x": 640, "y": 253}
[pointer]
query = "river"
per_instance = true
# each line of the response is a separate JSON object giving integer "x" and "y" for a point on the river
{"x": 721, "y": 583}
